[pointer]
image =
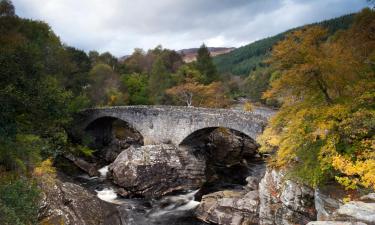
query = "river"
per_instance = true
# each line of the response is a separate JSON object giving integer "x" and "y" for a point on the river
{"x": 175, "y": 209}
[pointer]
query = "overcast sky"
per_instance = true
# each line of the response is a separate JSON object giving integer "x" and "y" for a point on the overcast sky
{"x": 119, "y": 26}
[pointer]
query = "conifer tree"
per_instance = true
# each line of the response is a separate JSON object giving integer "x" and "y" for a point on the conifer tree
{"x": 205, "y": 65}
{"x": 7, "y": 8}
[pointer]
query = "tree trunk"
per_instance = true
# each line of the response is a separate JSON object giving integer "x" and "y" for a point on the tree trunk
{"x": 323, "y": 87}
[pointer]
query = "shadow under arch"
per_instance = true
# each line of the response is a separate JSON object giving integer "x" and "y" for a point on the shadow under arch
{"x": 230, "y": 157}
{"x": 103, "y": 131}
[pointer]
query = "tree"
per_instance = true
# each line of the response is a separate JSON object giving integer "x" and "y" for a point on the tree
{"x": 205, "y": 65}
{"x": 7, "y": 8}
{"x": 76, "y": 66}
{"x": 135, "y": 85}
{"x": 257, "y": 83}
{"x": 215, "y": 96}
{"x": 104, "y": 86}
{"x": 187, "y": 92}
{"x": 307, "y": 67}
{"x": 324, "y": 129}
{"x": 192, "y": 93}
{"x": 159, "y": 81}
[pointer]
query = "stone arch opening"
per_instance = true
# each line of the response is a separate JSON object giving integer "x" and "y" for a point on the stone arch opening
{"x": 109, "y": 136}
{"x": 230, "y": 156}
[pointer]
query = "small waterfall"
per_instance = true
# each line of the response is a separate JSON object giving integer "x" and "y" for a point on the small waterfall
{"x": 103, "y": 171}
{"x": 107, "y": 194}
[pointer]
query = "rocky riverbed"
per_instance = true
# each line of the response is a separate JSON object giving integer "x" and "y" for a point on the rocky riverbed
{"x": 215, "y": 176}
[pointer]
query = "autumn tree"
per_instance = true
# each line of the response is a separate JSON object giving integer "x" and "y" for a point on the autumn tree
{"x": 205, "y": 65}
{"x": 215, "y": 96}
{"x": 190, "y": 92}
{"x": 306, "y": 66}
{"x": 325, "y": 127}
{"x": 7, "y": 8}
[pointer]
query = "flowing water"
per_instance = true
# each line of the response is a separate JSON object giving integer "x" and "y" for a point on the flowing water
{"x": 170, "y": 210}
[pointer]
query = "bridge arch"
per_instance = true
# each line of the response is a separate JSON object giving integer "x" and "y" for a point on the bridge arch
{"x": 101, "y": 131}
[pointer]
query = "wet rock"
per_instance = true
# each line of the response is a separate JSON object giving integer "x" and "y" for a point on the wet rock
{"x": 358, "y": 211}
{"x": 369, "y": 197}
{"x": 229, "y": 147}
{"x": 70, "y": 204}
{"x": 155, "y": 170}
{"x": 334, "y": 223}
{"x": 325, "y": 205}
{"x": 229, "y": 208}
{"x": 90, "y": 168}
{"x": 111, "y": 152}
{"x": 252, "y": 183}
{"x": 284, "y": 201}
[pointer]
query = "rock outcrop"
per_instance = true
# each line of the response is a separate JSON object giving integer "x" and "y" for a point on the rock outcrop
{"x": 334, "y": 223}
{"x": 229, "y": 208}
{"x": 70, "y": 204}
{"x": 330, "y": 207}
{"x": 155, "y": 170}
{"x": 284, "y": 201}
{"x": 357, "y": 211}
{"x": 325, "y": 205}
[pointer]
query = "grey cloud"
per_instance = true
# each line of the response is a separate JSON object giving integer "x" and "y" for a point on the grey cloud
{"x": 120, "y": 26}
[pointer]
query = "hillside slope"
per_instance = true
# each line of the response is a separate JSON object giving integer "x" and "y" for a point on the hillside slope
{"x": 242, "y": 60}
{"x": 190, "y": 54}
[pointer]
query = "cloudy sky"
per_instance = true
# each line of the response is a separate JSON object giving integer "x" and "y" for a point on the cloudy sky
{"x": 119, "y": 26}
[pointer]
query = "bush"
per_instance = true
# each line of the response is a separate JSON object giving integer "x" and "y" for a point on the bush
{"x": 19, "y": 203}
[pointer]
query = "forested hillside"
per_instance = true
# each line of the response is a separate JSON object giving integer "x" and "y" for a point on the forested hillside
{"x": 325, "y": 128}
{"x": 243, "y": 60}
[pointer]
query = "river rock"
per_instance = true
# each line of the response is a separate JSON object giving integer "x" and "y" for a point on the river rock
{"x": 334, "y": 223}
{"x": 358, "y": 211}
{"x": 231, "y": 207}
{"x": 230, "y": 146}
{"x": 70, "y": 204}
{"x": 90, "y": 168}
{"x": 369, "y": 197}
{"x": 155, "y": 170}
{"x": 284, "y": 201}
{"x": 110, "y": 153}
{"x": 252, "y": 183}
{"x": 325, "y": 205}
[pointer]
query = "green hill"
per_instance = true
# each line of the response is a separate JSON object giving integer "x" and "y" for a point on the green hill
{"x": 247, "y": 58}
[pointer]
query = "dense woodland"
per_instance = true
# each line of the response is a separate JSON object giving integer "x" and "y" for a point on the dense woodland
{"x": 323, "y": 132}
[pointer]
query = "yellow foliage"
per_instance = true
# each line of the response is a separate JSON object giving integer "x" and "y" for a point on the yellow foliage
{"x": 325, "y": 128}
{"x": 45, "y": 172}
{"x": 248, "y": 107}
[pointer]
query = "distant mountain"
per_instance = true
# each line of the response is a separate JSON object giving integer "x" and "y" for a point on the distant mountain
{"x": 242, "y": 60}
{"x": 123, "y": 58}
{"x": 190, "y": 54}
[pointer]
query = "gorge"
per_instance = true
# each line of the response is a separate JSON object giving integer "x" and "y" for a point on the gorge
{"x": 214, "y": 176}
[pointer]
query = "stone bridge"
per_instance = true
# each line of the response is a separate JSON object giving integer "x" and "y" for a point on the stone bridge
{"x": 172, "y": 124}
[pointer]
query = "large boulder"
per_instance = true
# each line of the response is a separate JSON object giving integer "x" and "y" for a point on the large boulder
{"x": 70, "y": 204}
{"x": 284, "y": 201}
{"x": 231, "y": 207}
{"x": 155, "y": 170}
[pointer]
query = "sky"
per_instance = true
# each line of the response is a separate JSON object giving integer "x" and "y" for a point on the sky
{"x": 120, "y": 26}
